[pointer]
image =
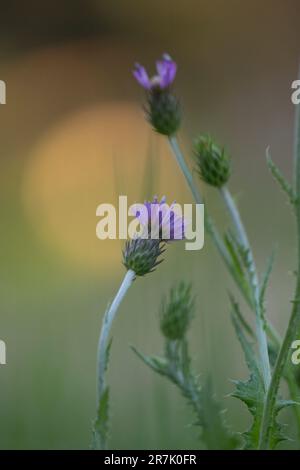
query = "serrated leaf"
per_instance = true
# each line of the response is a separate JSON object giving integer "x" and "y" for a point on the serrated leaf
{"x": 252, "y": 393}
{"x": 101, "y": 424}
{"x": 240, "y": 317}
{"x": 266, "y": 277}
{"x": 240, "y": 265}
{"x": 215, "y": 433}
{"x": 281, "y": 180}
{"x": 107, "y": 353}
{"x": 158, "y": 364}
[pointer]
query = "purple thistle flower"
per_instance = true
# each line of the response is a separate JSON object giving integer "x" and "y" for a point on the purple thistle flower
{"x": 166, "y": 71}
{"x": 161, "y": 221}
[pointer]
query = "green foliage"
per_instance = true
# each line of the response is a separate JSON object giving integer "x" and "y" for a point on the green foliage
{"x": 240, "y": 265}
{"x": 252, "y": 393}
{"x": 266, "y": 277}
{"x": 215, "y": 433}
{"x": 281, "y": 180}
{"x": 176, "y": 367}
{"x": 101, "y": 423}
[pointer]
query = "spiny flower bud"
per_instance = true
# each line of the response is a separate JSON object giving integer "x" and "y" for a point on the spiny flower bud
{"x": 177, "y": 312}
{"x": 141, "y": 255}
{"x": 212, "y": 161}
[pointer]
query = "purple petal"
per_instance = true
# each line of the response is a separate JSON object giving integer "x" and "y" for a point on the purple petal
{"x": 140, "y": 214}
{"x": 166, "y": 69}
{"x": 141, "y": 76}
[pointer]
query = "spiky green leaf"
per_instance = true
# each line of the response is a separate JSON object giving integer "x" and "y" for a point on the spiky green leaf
{"x": 101, "y": 423}
{"x": 252, "y": 393}
{"x": 239, "y": 265}
{"x": 266, "y": 277}
{"x": 156, "y": 363}
{"x": 215, "y": 433}
{"x": 281, "y": 180}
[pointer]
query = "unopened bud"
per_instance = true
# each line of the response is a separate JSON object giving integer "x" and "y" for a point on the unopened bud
{"x": 212, "y": 161}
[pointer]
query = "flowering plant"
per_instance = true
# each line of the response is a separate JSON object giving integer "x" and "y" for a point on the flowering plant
{"x": 269, "y": 360}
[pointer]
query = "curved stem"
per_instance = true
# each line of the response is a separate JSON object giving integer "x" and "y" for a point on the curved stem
{"x": 268, "y": 415}
{"x": 106, "y": 327}
{"x": 103, "y": 345}
{"x": 260, "y": 324}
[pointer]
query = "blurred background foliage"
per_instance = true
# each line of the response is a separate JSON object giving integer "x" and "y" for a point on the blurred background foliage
{"x": 73, "y": 136}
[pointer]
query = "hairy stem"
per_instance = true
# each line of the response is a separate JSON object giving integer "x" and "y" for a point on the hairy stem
{"x": 260, "y": 325}
{"x": 294, "y": 323}
{"x": 103, "y": 343}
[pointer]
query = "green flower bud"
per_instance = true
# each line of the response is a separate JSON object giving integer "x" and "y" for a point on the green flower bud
{"x": 212, "y": 161}
{"x": 141, "y": 255}
{"x": 163, "y": 111}
{"x": 177, "y": 312}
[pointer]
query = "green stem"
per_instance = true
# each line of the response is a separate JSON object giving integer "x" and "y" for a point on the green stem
{"x": 221, "y": 248}
{"x": 295, "y": 396}
{"x": 260, "y": 324}
{"x": 268, "y": 414}
{"x": 109, "y": 316}
{"x": 184, "y": 168}
{"x": 217, "y": 240}
{"x": 209, "y": 225}
{"x": 294, "y": 323}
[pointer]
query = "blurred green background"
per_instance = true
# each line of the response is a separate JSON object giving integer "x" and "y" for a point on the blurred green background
{"x": 73, "y": 136}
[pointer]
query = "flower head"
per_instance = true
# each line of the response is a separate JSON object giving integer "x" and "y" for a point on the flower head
{"x": 161, "y": 221}
{"x": 162, "y": 109}
{"x": 160, "y": 224}
{"x": 166, "y": 70}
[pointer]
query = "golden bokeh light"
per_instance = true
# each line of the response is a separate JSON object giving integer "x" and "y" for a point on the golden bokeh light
{"x": 87, "y": 159}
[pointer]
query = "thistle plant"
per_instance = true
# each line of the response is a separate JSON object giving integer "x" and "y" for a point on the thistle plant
{"x": 141, "y": 256}
{"x": 268, "y": 363}
{"x": 176, "y": 313}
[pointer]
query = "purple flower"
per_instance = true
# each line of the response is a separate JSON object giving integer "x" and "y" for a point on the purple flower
{"x": 161, "y": 221}
{"x": 166, "y": 71}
